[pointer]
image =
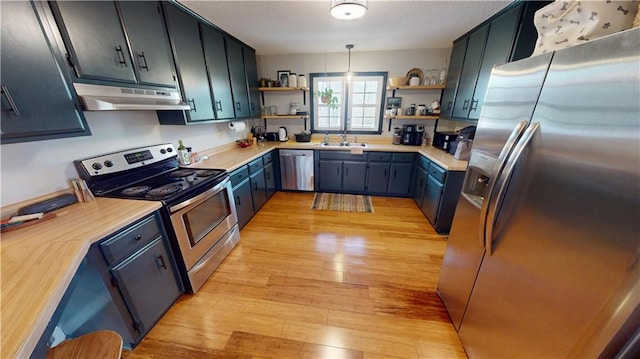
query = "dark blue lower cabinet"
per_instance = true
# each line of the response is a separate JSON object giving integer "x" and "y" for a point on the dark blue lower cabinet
{"x": 400, "y": 179}
{"x": 431, "y": 200}
{"x": 378, "y": 178}
{"x": 354, "y": 176}
{"x": 148, "y": 283}
{"x": 330, "y": 176}
{"x": 258, "y": 189}
{"x": 244, "y": 202}
{"x": 126, "y": 282}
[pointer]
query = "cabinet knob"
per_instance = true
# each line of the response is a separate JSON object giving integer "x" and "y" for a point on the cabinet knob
{"x": 138, "y": 237}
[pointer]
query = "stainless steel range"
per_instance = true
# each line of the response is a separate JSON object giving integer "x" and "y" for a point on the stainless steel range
{"x": 198, "y": 205}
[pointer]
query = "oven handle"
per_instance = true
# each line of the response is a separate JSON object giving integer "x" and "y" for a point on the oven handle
{"x": 201, "y": 197}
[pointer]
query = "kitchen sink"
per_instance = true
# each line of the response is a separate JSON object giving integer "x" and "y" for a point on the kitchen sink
{"x": 343, "y": 145}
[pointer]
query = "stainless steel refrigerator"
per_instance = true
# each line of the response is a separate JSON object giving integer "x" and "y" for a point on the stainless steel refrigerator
{"x": 543, "y": 258}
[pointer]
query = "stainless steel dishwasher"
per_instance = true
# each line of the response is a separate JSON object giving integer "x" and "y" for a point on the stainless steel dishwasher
{"x": 296, "y": 169}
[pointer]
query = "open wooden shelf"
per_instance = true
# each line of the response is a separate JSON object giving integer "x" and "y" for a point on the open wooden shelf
{"x": 285, "y": 116}
{"x": 413, "y": 117}
{"x": 429, "y": 87}
{"x": 283, "y": 88}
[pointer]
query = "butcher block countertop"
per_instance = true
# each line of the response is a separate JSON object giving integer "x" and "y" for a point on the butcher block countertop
{"x": 232, "y": 157}
{"x": 39, "y": 261}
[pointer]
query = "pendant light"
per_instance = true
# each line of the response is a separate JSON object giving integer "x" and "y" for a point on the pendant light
{"x": 348, "y": 9}
{"x": 349, "y": 47}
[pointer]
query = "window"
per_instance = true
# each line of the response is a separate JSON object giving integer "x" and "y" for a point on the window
{"x": 357, "y": 106}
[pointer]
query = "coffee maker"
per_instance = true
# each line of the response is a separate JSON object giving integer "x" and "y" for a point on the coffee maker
{"x": 412, "y": 135}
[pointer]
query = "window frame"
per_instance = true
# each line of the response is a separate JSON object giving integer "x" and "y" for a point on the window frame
{"x": 347, "y": 97}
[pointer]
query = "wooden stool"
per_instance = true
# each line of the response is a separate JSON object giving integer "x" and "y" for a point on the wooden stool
{"x": 102, "y": 344}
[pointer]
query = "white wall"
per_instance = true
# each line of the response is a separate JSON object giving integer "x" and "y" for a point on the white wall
{"x": 396, "y": 63}
{"x": 32, "y": 169}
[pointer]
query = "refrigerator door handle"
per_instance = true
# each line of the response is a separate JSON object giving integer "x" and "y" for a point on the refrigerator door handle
{"x": 504, "y": 179}
{"x": 502, "y": 160}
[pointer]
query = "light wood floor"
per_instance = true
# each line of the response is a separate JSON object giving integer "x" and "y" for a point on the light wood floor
{"x": 306, "y": 283}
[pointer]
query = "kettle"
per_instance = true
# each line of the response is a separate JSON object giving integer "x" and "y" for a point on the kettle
{"x": 282, "y": 134}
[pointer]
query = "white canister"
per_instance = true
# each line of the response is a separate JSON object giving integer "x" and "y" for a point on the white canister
{"x": 414, "y": 81}
{"x": 293, "y": 80}
{"x": 302, "y": 81}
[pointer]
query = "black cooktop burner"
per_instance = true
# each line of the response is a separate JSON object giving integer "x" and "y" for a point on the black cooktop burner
{"x": 134, "y": 191}
{"x": 206, "y": 173}
{"x": 165, "y": 190}
{"x": 182, "y": 173}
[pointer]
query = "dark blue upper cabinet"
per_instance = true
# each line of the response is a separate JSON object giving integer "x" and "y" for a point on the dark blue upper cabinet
{"x": 184, "y": 33}
{"x": 149, "y": 42}
{"x": 216, "y": 58}
{"x": 238, "y": 78}
{"x": 37, "y": 103}
{"x": 121, "y": 42}
{"x": 95, "y": 39}
{"x": 251, "y": 67}
{"x": 453, "y": 76}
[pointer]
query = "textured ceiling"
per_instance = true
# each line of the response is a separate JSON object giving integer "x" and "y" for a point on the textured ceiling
{"x": 293, "y": 27}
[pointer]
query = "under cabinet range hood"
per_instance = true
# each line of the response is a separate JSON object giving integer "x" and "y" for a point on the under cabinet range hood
{"x": 113, "y": 98}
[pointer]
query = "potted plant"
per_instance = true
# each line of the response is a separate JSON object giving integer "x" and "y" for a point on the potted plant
{"x": 327, "y": 98}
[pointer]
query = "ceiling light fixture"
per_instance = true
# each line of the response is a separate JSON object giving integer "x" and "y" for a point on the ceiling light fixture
{"x": 349, "y": 47}
{"x": 348, "y": 9}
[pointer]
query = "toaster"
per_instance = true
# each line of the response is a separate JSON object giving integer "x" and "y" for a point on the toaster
{"x": 271, "y": 136}
{"x": 443, "y": 140}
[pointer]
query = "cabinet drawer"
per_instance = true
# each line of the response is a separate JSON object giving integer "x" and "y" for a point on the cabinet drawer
{"x": 239, "y": 175}
{"x": 255, "y": 166}
{"x": 424, "y": 163}
{"x": 438, "y": 173}
{"x": 342, "y": 155}
{"x": 130, "y": 240}
{"x": 403, "y": 157}
{"x": 268, "y": 158}
{"x": 379, "y": 156}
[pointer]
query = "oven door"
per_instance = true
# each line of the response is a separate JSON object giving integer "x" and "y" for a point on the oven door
{"x": 200, "y": 222}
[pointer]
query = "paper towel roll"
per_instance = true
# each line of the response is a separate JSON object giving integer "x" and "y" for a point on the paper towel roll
{"x": 237, "y": 126}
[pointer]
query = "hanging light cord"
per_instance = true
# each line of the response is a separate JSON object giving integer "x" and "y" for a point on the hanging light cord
{"x": 349, "y": 47}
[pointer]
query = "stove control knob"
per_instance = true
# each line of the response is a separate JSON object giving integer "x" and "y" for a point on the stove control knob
{"x": 108, "y": 163}
{"x": 169, "y": 149}
{"x": 163, "y": 151}
{"x": 96, "y": 166}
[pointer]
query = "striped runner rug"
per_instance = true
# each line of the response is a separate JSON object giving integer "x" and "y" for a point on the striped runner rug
{"x": 342, "y": 202}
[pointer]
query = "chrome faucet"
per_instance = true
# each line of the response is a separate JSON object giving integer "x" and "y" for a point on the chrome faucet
{"x": 344, "y": 138}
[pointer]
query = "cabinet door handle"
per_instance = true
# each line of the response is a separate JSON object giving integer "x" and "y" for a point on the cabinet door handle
{"x": 346, "y": 171}
{"x": 238, "y": 106}
{"x": 122, "y": 60}
{"x": 160, "y": 262}
{"x": 192, "y": 104}
{"x": 465, "y": 105}
{"x": 385, "y": 173}
{"x": 238, "y": 201}
{"x": 474, "y": 105}
{"x": 449, "y": 104}
{"x": 12, "y": 104}
{"x": 143, "y": 60}
{"x": 269, "y": 176}
{"x": 219, "y": 106}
